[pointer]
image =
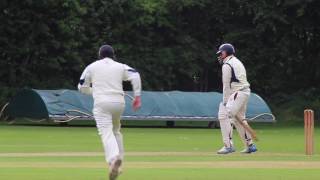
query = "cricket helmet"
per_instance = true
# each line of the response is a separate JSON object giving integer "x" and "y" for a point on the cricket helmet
{"x": 228, "y": 48}
{"x": 106, "y": 51}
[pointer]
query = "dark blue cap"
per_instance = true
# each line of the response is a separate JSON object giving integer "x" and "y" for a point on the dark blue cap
{"x": 228, "y": 48}
{"x": 106, "y": 51}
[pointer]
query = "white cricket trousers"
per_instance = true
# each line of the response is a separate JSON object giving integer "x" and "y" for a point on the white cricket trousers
{"x": 235, "y": 108}
{"x": 107, "y": 116}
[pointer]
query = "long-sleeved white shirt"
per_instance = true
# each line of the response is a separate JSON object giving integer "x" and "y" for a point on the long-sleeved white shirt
{"x": 234, "y": 77}
{"x": 104, "y": 79}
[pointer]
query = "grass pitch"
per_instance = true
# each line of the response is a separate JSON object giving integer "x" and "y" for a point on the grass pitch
{"x": 51, "y": 152}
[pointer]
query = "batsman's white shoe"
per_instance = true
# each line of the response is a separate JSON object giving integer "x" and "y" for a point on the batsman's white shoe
{"x": 250, "y": 149}
{"x": 226, "y": 150}
{"x": 114, "y": 168}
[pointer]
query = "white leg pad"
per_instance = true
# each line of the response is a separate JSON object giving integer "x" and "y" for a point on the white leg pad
{"x": 225, "y": 126}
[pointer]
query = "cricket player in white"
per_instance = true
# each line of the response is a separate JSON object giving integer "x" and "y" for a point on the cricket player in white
{"x": 236, "y": 92}
{"x": 103, "y": 78}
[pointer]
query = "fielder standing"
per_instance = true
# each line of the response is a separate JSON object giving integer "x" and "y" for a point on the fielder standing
{"x": 103, "y": 78}
{"x": 236, "y": 92}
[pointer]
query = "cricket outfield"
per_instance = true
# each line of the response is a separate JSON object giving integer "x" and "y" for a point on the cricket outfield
{"x": 51, "y": 152}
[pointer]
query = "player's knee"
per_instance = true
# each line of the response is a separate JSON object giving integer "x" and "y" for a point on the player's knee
{"x": 222, "y": 115}
{"x": 231, "y": 114}
{"x": 116, "y": 131}
{"x": 223, "y": 118}
{"x": 104, "y": 130}
{"x": 234, "y": 121}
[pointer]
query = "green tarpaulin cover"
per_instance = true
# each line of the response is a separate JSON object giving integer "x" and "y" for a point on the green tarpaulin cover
{"x": 163, "y": 105}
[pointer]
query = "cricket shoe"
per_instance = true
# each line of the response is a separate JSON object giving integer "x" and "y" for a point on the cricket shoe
{"x": 250, "y": 149}
{"x": 226, "y": 150}
{"x": 115, "y": 168}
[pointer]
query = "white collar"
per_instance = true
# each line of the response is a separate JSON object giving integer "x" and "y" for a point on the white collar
{"x": 106, "y": 59}
{"x": 227, "y": 59}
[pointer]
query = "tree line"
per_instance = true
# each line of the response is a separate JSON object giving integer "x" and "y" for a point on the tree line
{"x": 45, "y": 44}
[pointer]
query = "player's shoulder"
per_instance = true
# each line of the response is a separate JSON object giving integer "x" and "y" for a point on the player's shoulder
{"x": 117, "y": 63}
{"x": 226, "y": 67}
{"x": 235, "y": 59}
{"x": 103, "y": 62}
{"x": 94, "y": 64}
{"x": 123, "y": 66}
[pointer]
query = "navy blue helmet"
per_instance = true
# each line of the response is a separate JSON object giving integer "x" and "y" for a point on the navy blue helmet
{"x": 106, "y": 51}
{"x": 228, "y": 48}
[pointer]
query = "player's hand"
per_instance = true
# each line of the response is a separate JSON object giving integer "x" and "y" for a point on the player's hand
{"x": 136, "y": 104}
{"x": 223, "y": 104}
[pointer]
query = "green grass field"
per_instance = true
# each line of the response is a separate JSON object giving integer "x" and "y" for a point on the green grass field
{"x": 52, "y": 152}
